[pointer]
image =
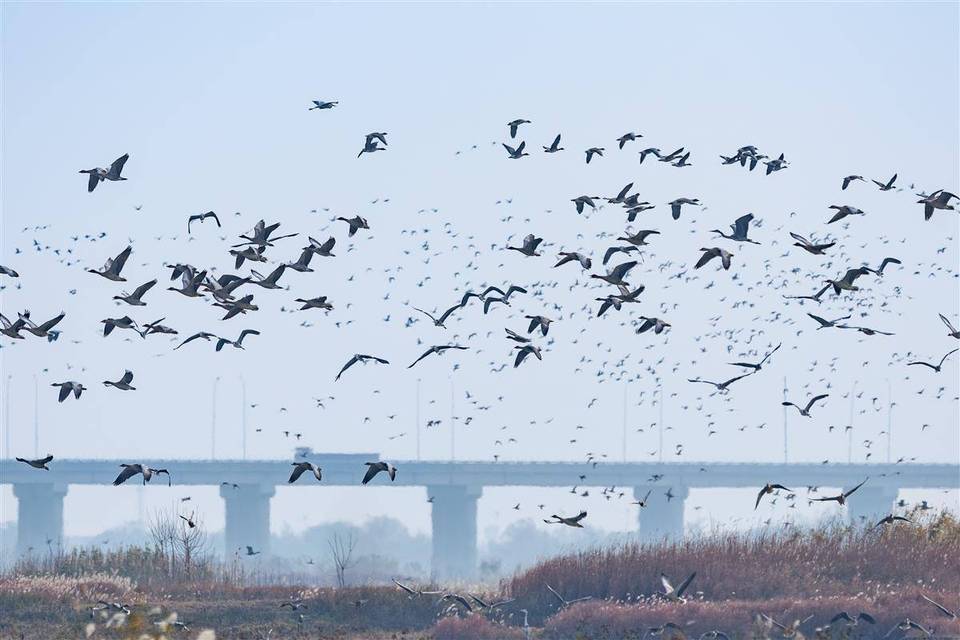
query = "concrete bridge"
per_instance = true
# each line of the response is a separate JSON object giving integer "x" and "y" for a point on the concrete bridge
{"x": 455, "y": 488}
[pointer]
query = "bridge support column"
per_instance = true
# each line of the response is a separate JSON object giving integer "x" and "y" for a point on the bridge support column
{"x": 39, "y": 516}
{"x": 869, "y": 504}
{"x": 247, "y": 517}
{"x": 662, "y": 518}
{"x": 454, "y": 519}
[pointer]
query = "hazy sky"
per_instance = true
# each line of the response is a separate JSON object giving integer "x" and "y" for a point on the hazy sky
{"x": 210, "y": 101}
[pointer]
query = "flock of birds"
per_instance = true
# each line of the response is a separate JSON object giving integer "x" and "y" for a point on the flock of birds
{"x": 229, "y": 292}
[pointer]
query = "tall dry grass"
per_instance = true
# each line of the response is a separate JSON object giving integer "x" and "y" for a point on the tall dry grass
{"x": 832, "y": 560}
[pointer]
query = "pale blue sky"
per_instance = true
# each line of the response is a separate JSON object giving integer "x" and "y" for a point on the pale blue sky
{"x": 211, "y": 102}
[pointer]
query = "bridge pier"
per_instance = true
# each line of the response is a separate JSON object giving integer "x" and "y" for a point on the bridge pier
{"x": 662, "y": 518}
{"x": 454, "y": 519}
{"x": 247, "y": 509}
{"x": 869, "y": 504}
{"x": 39, "y": 516}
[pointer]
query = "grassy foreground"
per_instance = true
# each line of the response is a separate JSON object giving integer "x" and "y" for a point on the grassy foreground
{"x": 785, "y": 575}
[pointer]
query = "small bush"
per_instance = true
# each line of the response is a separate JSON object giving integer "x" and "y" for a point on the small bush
{"x": 473, "y": 627}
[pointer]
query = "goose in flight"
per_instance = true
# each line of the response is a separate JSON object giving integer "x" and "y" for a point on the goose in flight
{"x": 865, "y": 330}
{"x": 565, "y": 257}
{"x": 251, "y": 552}
{"x": 191, "y": 283}
{"x": 847, "y": 180}
{"x": 380, "y": 136}
{"x": 776, "y": 164}
{"x": 953, "y": 330}
{"x": 571, "y": 521}
{"x": 554, "y": 146}
{"x": 7, "y": 271}
{"x": 579, "y": 201}
{"x": 538, "y": 321}
{"x": 200, "y": 217}
{"x": 805, "y": 411}
{"x": 790, "y": 630}
{"x": 675, "y": 593}
{"x": 415, "y": 592}
{"x": 714, "y": 252}
{"x": 98, "y": 175}
{"x": 621, "y": 197}
{"x": 269, "y": 282}
{"x": 612, "y": 250}
{"x": 315, "y": 303}
{"x": 670, "y": 157}
{"x": 638, "y": 239}
{"x": 204, "y": 335}
{"x": 123, "y": 383}
{"x": 253, "y": 254}
{"x": 843, "y": 211}
{"x": 908, "y": 626}
{"x": 524, "y": 351}
{"x": 628, "y": 137}
{"x": 825, "y": 324}
{"x": 656, "y": 324}
{"x": 514, "y": 124}
{"x": 890, "y": 519}
{"x": 260, "y": 235}
{"x": 130, "y": 470}
{"x": 741, "y": 227}
{"x": 682, "y": 161}
{"x": 41, "y": 330}
{"x": 320, "y": 104}
{"x": 939, "y": 199}
{"x": 936, "y": 367}
{"x": 438, "y": 322}
{"x": 126, "y": 322}
{"x": 516, "y": 337}
{"x": 846, "y": 282}
{"x": 490, "y": 605}
{"x": 767, "y": 490}
{"x": 134, "y": 299}
{"x": 458, "y": 599}
{"x": 373, "y": 468}
{"x": 516, "y": 154}
{"x": 656, "y": 152}
{"x": 759, "y": 365}
{"x": 722, "y": 386}
{"x": 529, "y": 248}
{"x": 356, "y": 223}
{"x": 302, "y": 265}
{"x": 234, "y": 307}
{"x": 886, "y": 186}
{"x": 11, "y": 329}
{"x": 370, "y": 146}
{"x": 437, "y": 349}
{"x": 156, "y": 327}
{"x": 360, "y": 358}
{"x": 806, "y": 245}
{"x": 616, "y": 275}
{"x": 324, "y": 249}
{"x": 679, "y": 202}
{"x": 842, "y": 497}
{"x": 563, "y": 601}
{"x": 238, "y": 343}
{"x": 113, "y": 266}
{"x": 38, "y": 464}
{"x": 300, "y": 467}
{"x": 593, "y": 151}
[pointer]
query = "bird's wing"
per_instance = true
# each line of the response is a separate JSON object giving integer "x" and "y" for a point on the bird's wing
{"x": 704, "y": 259}
{"x": 372, "y": 470}
{"x": 848, "y": 493}
{"x": 492, "y": 288}
{"x": 947, "y": 322}
{"x": 64, "y": 392}
{"x": 557, "y": 595}
{"x": 425, "y": 354}
{"x": 741, "y": 224}
{"x": 247, "y": 332}
{"x": 947, "y": 356}
{"x": 666, "y": 583}
{"x": 446, "y": 314}
{"x": 142, "y": 289}
{"x": 814, "y": 399}
{"x": 121, "y": 259}
{"x": 621, "y": 270}
{"x": 297, "y": 472}
{"x": 759, "y": 497}
{"x": 127, "y": 377}
{"x": 352, "y": 361}
{"x": 767, "y": 357}
{"x": 939, "y": 606}
{"x": 580, "y": 516}
{"x": 117, "y": 165}
{"x": 128, "y": 472}
{"x": 686, "y": 583}
{"x": 799, "y": 238}
{"x": 405, "y": 588}
{"x": 92, "y": 181}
